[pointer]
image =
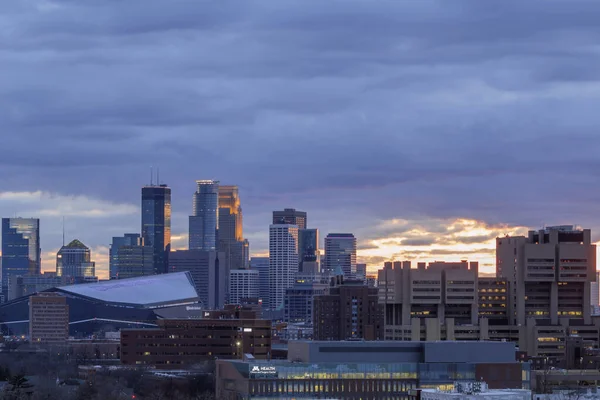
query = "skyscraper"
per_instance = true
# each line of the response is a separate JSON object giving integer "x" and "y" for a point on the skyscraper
{"x": 208, "y": 277}
{"x": 203, "y": 222}
{"x": 74, "y": 260}
{"x": 230, "y": 233}
{"x": 340, "y": 253}
{"x": 283, "y": 262}
{"x": 261, "y": 264}
{"x": 290, "y": 216}
{"x": 129, "y": 257}
{"x": 308, "y": 247}
{"x": 156, "y": 224}
{"x": 21, "y": 253}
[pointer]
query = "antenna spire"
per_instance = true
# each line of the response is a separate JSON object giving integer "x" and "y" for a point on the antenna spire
{"x": 151, "y": 175}
{"x": 157, "y": 176}
{"x": 63, "y": 230}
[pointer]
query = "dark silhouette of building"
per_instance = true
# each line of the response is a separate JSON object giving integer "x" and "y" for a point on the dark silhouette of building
{"x": 349, "y": 311}
{"x": 179, "y": 343}
{"x": 21, "y": 253}
{"x": 156, "y": 224}
{"x": 290, "y": 216}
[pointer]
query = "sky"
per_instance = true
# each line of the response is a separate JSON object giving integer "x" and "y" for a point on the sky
{"x": 426, "y": 128}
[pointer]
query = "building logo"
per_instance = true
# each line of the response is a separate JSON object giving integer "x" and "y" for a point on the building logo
{"x": 263, "y": 369}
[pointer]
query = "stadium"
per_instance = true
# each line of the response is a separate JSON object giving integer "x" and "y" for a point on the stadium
{"x": 108, "y": 306}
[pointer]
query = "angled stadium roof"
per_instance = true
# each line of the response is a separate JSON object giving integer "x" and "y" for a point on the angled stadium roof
{"x": 144, "y": 291}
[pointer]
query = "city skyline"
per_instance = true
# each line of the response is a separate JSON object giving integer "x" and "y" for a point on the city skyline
{"x": 425, "y": 132}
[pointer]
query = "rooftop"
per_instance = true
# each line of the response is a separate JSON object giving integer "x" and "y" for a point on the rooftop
{"x": 145, "y": 291}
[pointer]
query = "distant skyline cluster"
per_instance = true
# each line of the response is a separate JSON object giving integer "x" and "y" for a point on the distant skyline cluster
{"x": 424, "y": 128}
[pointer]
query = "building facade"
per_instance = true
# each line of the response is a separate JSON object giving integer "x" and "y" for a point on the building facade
{"x": 370, "y": 370}
{"x": 204, "y": 221}
{"x": 243, "y": 284}
{"x": 208, "y": 277}
{"x": 74, "y": 260}
{"x": 156, "y": 224}
{"x": 349, "y": 310}
{"x": 340, "y": 253}
{"x": 299, "y": 301}
{"x": 129, "y": 257}
{"x": 308, "y": 250}
{"x": 261, "y": 264}
{"x": 21, "y": 252}
{"x": 283, "y": 262}
{"x": 195, "y": 341}
{"x": 48, "y": 319}
{"x": 290, "y": 216}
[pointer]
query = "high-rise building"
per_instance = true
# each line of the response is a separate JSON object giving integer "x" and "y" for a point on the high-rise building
{"x": 48, "y": 319}
{"x": 290, "y": 216}
{"x": 74, "y": 260}
{"x": 21, "y": 253}
{"x": 349, "y": 310}
{"x": 156, "y": 224}
{"x": 261, "y": 264}
{"x": 24, "y": 285}
{"x": 299, "y": 301}
{"x": 130, "y": 258}
{"x": 283, "y": 262}
{"x": 243, "y": 284}
{"x": 230, "y": 224}
{"x": 208, "y": 277}
{"x": 128, "y": 249}
{"x": 595, "y": 292}
{"x": 550, "y": 273}
{"x": 308, "y": 247}
{"x": 340, "y": 253}
{"x": 204, "y": 221}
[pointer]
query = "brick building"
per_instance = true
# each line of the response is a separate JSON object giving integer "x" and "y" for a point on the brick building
{"x": 349, "y": 310}
{"x": 48, "y": 319}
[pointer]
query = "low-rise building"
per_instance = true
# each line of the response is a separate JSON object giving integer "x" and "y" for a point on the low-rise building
{"x": 48, "y": 319}
{"x": 370, "y": 370}
{"x": 182, "y": 343}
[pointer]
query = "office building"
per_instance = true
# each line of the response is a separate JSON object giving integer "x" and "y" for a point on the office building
{"x": 349, "y": 310}
{"x": 290, "y": 216}
{"x": 156, "y": 224}
{"x": 129, "y": 257}
{"x": 550, "y": 273}
{"x": 370, "y": 370}
{"x": 340, "y": 253}
{"x": 48, "y": 319}
{"x": 243, "y": 284}
{"x": 195, "y": 341}
{"x": 203, "y": 222}
{"x": 25, "y": 285}
{"x": 361, "y": 270}
{"x": 308, "y": 250}
{"x": 74, "y": 260}
{"x": 21, "y": 253}
{"x": 299, "y": 301}
{"x": 475, "y": 390}
{"x": 439, "y": 291}
{"x": 261, "y": 264}
{"x": 595, "y": 292}
{"x": 230, "y": 214}
{"x": 283, "y": 262}
{"x": 208, "y": 277}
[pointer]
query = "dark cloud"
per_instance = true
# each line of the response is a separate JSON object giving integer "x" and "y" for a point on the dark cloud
{"x": 358, "y": 114}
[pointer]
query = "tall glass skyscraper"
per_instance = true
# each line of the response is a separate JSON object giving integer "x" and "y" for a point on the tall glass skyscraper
{"x": 75, "y": 259}
{"x": 340, "y": 253}
{"x": 156, "y": 224}
{"x": 308, "y": 246}
{"x": 21, "y": 253}
{"x": 203, "y": 223}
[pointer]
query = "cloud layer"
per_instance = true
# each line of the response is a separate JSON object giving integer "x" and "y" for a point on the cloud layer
{"x": 360, "y": 113}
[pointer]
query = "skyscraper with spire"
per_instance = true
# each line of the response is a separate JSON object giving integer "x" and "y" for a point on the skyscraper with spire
{"x": 156, "y": 224}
